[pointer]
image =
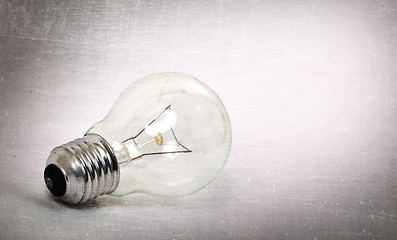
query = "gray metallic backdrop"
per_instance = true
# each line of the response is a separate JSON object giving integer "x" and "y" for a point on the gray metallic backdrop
{"x": 310, "y": 86}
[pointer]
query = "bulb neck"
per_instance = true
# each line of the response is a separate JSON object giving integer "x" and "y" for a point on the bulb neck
{"x": 82, "y": 169}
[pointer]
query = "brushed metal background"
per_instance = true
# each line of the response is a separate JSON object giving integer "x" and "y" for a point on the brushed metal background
{"x": 310, "y": 86}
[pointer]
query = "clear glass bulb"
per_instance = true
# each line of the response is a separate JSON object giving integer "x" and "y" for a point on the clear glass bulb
{"x": 170, "y": 135}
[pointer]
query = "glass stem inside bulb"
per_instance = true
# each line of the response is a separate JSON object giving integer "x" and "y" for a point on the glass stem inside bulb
{"x": 157, "y": 137}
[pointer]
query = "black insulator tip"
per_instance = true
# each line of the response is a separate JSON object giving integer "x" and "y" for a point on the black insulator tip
{"x": 55, "y": 180}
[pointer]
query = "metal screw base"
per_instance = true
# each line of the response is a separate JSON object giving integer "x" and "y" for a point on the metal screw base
{"x": 82, "y": 169}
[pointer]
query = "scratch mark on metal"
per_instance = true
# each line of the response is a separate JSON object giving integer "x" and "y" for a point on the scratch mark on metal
{"x": 136, "y": 12}
{"x": 378, "y": 214}
{"x": 19, "y": 216}
{"x": 43, "y": 39}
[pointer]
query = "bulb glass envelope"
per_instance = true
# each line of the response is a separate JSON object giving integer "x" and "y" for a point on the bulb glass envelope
{"x": 164, "y": 113}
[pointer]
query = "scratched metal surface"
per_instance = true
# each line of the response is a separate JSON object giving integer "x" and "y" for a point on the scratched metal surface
{"x": 310, "y": 86}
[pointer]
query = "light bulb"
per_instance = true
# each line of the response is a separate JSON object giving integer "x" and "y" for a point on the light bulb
{"x": 168, "y": 134}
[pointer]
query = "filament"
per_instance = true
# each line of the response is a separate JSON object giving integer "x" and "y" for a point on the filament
{"x": 158, "y": 138}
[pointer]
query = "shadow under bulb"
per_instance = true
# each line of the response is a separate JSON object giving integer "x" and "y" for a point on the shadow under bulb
{"x": 168, "y": 134}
